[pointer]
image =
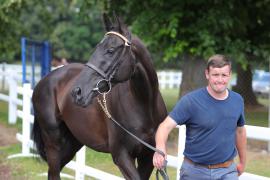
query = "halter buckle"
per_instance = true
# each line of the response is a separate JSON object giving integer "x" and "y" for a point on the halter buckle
{"x": 99, "y": 87}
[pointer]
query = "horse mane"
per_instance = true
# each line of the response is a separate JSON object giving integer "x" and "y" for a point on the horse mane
{"x": 144, "y": 77}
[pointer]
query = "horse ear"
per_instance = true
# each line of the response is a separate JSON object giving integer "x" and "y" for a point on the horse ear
{"x": 107, "y": 22}
{"x": 123, "y": 29}
{"x": 118, "y": 22}
{"x": 129, "y": 36}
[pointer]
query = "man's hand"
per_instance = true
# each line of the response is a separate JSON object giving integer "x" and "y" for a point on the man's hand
{"x": 240, "y": 168}
{"x": 161, "y": 138}
{"x": 159, "y": 161}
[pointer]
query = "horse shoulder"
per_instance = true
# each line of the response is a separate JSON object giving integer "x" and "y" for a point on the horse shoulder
{"x": 65, "y": 78}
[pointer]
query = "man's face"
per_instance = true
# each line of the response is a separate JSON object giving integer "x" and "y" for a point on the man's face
{"x": 218, "y": 78}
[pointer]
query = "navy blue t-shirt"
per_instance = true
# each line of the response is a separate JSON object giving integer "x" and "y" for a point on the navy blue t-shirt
{"x": 210, "y": 125}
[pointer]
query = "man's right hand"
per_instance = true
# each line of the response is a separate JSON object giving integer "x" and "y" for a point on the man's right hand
{"x": 159, "y": 161}
{"x": 161, "y": 138}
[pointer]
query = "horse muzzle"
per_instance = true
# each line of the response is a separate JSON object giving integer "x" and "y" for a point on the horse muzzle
{"x": 103, "y": 86}
{"x": 80, "y": 99}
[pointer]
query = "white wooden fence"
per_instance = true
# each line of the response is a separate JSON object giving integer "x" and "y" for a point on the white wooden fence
{"x": 169, "y": 79}
{"x": 81, "y": 170}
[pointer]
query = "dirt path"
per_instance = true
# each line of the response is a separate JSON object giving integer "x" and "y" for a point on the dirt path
{"x": 7, "y": 137}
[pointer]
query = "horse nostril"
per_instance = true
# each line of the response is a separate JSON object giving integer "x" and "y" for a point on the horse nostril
{"x": 77, "y": 92}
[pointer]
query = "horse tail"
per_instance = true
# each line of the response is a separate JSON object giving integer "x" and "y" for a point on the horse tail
{"x": 38, "y": 141}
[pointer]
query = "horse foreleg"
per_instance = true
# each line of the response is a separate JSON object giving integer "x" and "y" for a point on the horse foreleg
{"x": 126, "y": 164}
{"x": 145, "y": 165}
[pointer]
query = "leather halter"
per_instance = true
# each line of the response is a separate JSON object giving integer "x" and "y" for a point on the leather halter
{"x": 109, "y": 75}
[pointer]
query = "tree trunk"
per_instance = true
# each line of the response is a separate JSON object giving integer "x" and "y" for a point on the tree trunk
{"x": 193, "y": 76}
{"x": 244, "y": 86}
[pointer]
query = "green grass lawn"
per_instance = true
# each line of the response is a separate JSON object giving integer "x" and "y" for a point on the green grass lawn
{"x": 30, "y": 168}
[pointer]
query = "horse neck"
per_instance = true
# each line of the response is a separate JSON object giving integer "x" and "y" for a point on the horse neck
{"x": 144, "y": 82}
{"x": 144, "y": 87}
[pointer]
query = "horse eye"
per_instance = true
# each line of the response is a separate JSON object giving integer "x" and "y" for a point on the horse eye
{"x": 110, "y": 51}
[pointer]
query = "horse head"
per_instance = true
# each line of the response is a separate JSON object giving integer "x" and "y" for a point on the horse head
{"x": 112, "y": 62}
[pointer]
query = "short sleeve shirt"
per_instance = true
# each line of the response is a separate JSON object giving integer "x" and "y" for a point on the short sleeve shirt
{"x": 210, "y": 125}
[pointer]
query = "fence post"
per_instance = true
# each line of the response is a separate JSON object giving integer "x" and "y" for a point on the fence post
{"x": 181, "y": 147}
{"x": 12, "y": 106}
{"x": 80, "y": 161}
{"x": 26, "y": 121}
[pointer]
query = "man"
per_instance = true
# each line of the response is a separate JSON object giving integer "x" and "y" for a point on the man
{"x": 58, "y": 62}
{"x": 215, "y": 132}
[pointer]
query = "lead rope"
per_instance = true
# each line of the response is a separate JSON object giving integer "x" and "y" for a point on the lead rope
{"x": 104, "y": 106}
{"x": 163, "y": 171}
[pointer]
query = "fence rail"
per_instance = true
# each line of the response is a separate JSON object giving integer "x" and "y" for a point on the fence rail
{"x": 79, "y": 166}
{"x": 169, "y": 79}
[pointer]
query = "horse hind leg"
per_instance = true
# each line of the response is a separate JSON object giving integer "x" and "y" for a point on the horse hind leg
{"x": 52, "y": 150}
{"x": 69, "y": 145}
{"x": 55, "y": 144}
{"x": 61, "y": 151}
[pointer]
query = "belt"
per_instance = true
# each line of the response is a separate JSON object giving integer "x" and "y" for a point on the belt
{"x": 212, "y": 166}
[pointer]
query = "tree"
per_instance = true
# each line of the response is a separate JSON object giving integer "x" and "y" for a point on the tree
{"x": 197, "y": 29}
{"x": 182, "y": 32}
{"x": 72, "y": 29}
{"x": 9, "y": 28}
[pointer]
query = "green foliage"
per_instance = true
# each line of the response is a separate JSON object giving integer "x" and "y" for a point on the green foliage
{"x": 201, "y": 28}
{"x": 9, "y": 28}
{"x": 73, "y": 27}
{"x": 169, "y": 28}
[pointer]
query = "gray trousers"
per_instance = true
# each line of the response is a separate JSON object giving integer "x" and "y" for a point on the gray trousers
{"x": 190, "y": 171}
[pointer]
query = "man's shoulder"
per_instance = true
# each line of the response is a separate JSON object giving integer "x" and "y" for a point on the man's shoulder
{"x": 234, "y": 94}
{"x": 193, "y": 96}
{"x": 195, "y": 93}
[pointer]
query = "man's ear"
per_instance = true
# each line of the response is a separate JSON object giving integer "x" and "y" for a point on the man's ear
{"x": 206, "y": 72}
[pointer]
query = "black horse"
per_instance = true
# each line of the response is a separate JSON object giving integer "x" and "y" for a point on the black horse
{"x": 68, "y": 113}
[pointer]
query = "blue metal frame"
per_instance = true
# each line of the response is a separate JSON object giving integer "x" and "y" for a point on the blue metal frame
{"x": 35, "y": 52}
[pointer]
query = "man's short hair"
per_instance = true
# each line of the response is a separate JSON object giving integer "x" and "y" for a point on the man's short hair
{"x": 218, "y": 61}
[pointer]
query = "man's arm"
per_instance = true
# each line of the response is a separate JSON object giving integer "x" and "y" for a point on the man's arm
{"x": 241, "y": 143}
{"x": 161, "y": 138}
